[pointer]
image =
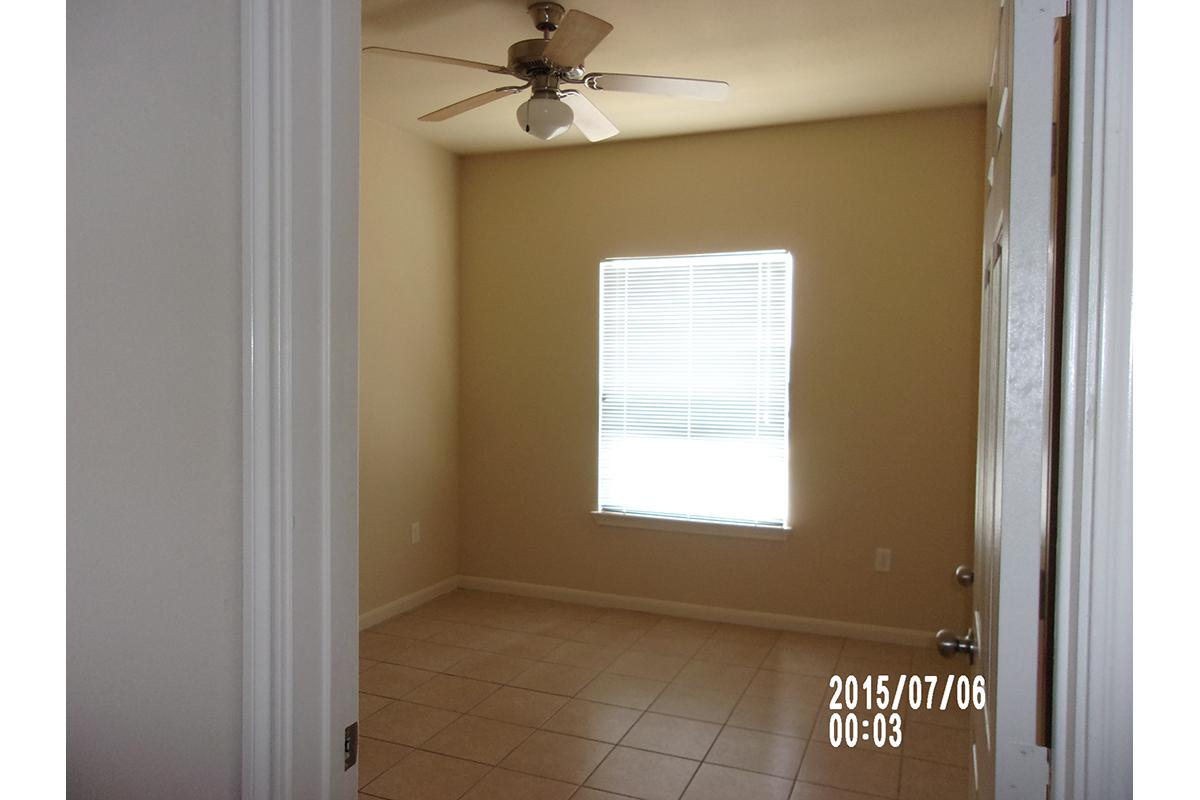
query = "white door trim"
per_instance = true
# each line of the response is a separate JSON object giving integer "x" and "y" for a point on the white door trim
{"x": 300, "y": 271}
{"x": 1092, "y": 746}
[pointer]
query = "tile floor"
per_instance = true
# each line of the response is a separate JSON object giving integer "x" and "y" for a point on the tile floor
{"x": 486, "y": 696}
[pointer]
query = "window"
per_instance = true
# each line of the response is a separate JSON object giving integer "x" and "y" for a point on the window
{"x": 694, "y": 370}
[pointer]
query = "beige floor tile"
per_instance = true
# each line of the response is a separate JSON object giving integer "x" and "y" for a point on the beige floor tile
{"x": 530, "y": 645}
{"x": 427, "y": 655}
{"x": 452, "y": 693}
{"x": 648, "y": 776}
{"x": 634, "y": 619}
{"x": 680, "y": 701}
{"x": 789, "y": 686}
{"x": 927, "y": 661}
{"x": 381, "y": 647}
{"x": 477, "y": 739}
{"x": 592, "y": 720}
{"x": 393, "y": 680}
{"x": 586, "y": 793}
{"x": 806, "y": 661}
{"x": 683, "y": 625}
{"x": 722, "y": 783}
{"x": 475, "y": 637}
{"x": 937, "y": 743}
{"x": 863, "y": 668}
{"x": 897, "y": 656}
{"x": 552, "y": 755}
{"x": 580, "y": 654}
{"x": 406, "y": 723}
{"x": 648, "y": 665}
{"x": 520, "y": 706}
{"x": 746, "y": 634}
{"x": 714, "y": 677}
{"x": 811, "y": 641}
{"x": 952, "y": 717}
{"x": 675, "y": 736}
{"x": 732, "y": 651}
{"x": 376, "y": 756}
{"x": 925, "y": 780}
{"x": 604, "y": 634}
{"x": 427, "y": 776}
{"x": 492, "y": 667}
{"x": 558, "y": 628}
{"x": 618, "y": 662}
{"x": 577, "y": 611}
{"x": 368, "y": 704}
{"x": 554, "y": 678}
{"x": 669, "y": 643}
{"x": 758, "y": 751}
{"x": 811, "y": 791}
{"x": 622, "y": 690}
{"x": 850, "y": 768}
{"x": 767, "y": 714}
{"x": 411, "y": 627}
{"x": 503, "y": 784}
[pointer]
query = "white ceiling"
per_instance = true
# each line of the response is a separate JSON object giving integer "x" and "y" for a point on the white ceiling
{"x": 785, "y": 60}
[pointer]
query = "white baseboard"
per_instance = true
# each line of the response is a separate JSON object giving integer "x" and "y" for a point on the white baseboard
{"x": 407, "y": 603}
{"x": 737, "y": 616}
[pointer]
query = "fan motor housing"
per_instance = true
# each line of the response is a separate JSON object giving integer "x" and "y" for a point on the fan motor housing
{"x": 546, "y": 16}
{"x": 526, "y": 59}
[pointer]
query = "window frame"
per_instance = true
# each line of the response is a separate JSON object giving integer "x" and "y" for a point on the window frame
{"x": 669, "y": 523}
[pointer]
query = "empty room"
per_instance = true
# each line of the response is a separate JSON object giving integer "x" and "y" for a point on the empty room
{"x": 622, "y": 400}
{"x": 658, "y": 431}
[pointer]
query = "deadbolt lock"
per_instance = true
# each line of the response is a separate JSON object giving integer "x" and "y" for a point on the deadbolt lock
{"x": 964, "y": 575}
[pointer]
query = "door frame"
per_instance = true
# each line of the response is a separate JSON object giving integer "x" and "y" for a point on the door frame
{"x": 299, "y": 77}
{"x": 1092, "y": 736}
{"x": 300, "y": 261}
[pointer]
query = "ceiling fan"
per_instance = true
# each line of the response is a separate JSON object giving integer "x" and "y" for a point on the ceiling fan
{"x": 551, "y": 64}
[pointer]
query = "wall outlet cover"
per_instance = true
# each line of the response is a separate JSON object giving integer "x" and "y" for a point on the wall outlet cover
{"x": 883, "y": 559}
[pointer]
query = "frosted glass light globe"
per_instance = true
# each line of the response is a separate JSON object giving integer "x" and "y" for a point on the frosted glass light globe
{"x": 544, "y": 117}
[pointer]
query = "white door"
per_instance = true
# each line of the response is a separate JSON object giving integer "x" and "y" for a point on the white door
{"x": 1016, "y": 404}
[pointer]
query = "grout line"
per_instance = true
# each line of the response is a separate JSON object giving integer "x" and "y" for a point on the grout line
{"x": 725, "y": 724}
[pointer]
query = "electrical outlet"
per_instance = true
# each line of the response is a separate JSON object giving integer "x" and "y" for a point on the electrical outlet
{"x": 416, "y": 532}
{"x": 883, "y": 559}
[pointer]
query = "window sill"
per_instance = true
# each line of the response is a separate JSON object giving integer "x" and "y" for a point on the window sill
{"x": 614, "y": 519}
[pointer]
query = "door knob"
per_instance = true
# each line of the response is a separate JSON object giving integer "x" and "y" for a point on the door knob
{"x": 948, "y": 643}
{"x": 964, "y": 575}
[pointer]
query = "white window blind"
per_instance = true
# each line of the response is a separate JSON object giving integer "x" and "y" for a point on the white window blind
{"x": 694, "y": 370}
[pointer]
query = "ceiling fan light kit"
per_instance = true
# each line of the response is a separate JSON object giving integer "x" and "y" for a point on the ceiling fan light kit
{"x": 555, "y": 61}
{"x": 544, "y": 116}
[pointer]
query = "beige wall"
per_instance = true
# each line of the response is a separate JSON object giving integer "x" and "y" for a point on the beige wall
{"x": 883, "y": 217}
{"x": 408, "y": 365}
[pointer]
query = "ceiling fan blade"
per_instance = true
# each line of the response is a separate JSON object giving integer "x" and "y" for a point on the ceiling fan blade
{"x": 459, "y": 62}
{"x": 590, "y": 120}
{"x": 575, "y": 38}
{"x": 653, "y": 84}
{"x": 454, "y": 109}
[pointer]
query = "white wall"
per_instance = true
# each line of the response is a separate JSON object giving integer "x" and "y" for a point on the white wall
{"x": 153, "y": 399}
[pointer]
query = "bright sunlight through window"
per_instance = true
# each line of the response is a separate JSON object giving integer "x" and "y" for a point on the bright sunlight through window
{"x": 694, "y": 370}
